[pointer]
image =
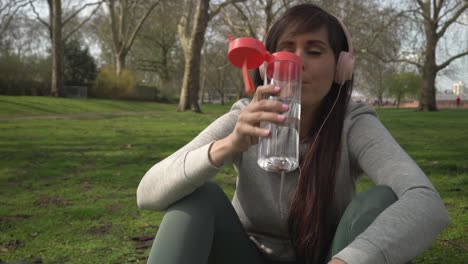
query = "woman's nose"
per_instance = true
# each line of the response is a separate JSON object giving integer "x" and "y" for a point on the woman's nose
{"x": 301, "y": 54}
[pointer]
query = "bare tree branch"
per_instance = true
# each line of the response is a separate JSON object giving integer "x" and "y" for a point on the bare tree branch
{"x": 74, "y": 14}
{"x": 251, "y": 30}
{"x": 437, "y": 5}
{"x": 140, "y": 23}
{"x": 425, "y": 6}
{"x": 214, "y": 12}
{"x": 384, "y": 26}
{"x": 391, "y": 60}
{"x": 447, "y": 62}
{"x": 454, "y": 18}
{"x": 231, "y": 24}
{"x": 82, "y": 23}
{"x": 37, "y": 15}
{"x": 447, "y": 12}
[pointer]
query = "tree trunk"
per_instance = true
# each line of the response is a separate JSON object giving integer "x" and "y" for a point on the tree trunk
{"x": 203, "y": 88}
{"x": 191, "y": 81}
{"x": 398, "y": 100}
{"x": 184, "y": 94}
{"x": 120, "y": 62}
{"x": 428, "y": 92}
{"x": 55, "y": 8}
{"x": 427, "y": 101}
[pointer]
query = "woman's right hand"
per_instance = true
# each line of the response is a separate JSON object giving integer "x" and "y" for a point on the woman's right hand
{"x": 247, "y": 130}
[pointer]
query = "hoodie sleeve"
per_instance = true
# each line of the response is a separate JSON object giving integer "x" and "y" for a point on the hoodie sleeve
{"x": 187, "y": 169}
{"x": 409, "y": 226}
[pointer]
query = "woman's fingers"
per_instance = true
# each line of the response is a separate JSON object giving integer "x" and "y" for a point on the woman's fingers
{"x": 254, "y": 118}
{"x": 262, "y": 91}
{"x": 267, "y": 106}
{"x": 251, "y": 131}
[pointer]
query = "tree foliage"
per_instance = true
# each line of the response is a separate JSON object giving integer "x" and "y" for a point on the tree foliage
{"x": 403, "y": 85}
{"x": 79, "y": 65}
{"x": 23, "y": 75}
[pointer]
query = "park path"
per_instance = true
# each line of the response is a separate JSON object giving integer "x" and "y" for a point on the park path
{"x": 79, "y": 115}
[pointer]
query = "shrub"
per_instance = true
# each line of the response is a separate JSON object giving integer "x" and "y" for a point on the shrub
{"x": 109, "y": 85}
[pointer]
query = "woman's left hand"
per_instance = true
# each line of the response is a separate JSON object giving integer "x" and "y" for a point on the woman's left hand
{"x": 336, "y": 261}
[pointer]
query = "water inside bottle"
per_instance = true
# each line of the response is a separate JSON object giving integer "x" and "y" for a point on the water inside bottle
{"x": 280, "y": 151}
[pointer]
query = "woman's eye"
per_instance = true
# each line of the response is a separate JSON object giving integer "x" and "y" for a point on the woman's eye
{"x": 314, "y": 52}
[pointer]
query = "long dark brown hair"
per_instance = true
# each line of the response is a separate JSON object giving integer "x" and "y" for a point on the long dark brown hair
{"x": 312, "y": 220}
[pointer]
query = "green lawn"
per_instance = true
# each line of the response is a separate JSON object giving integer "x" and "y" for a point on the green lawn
{"x": 67, "y": 184}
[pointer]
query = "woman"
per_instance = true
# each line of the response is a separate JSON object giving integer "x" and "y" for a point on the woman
{"x": 390, "y": 223}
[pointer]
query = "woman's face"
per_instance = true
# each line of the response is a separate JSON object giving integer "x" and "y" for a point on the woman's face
{"x": 318, "y": 63}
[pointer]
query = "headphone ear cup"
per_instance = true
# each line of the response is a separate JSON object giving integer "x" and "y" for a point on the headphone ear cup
{"x": 344, "y": 68}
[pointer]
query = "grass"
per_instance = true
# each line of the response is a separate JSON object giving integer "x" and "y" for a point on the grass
{"x": 67, "y": 185}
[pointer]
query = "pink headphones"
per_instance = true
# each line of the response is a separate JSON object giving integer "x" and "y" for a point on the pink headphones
{"x": 345, "y": 64}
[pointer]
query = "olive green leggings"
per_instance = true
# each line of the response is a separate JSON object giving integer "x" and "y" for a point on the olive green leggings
{"x": 204, "y": 228}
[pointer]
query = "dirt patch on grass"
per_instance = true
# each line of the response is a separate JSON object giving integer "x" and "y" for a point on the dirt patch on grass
{"x": 51, "y": 200}
{"x": 459, "y": 244}
{"x": 143, "y": 242}
{"x": 101, "y": 229}
{"x": 13, "y": 218}
{"x": 113, "y": 207}
{"x": 86, "y": 186}
{"x": 87, "y": 166}
{"x": 11, "y": 245}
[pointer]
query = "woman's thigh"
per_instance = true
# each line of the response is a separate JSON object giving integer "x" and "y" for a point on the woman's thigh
{"x": 203, "y": 227}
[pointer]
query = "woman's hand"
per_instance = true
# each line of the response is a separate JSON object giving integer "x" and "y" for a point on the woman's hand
{"x": 336, "y": 261}
{"x": 247, "y": 130}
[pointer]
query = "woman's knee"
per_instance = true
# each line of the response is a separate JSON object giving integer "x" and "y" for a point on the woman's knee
{"x": 367, "y": 205}
{"x": 378, "y": 197}
{"x": 360, "y": 213}
{"x": 203, "y": 197}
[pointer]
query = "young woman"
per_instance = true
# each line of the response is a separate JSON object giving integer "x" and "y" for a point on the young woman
{"x": 323, "y": 221}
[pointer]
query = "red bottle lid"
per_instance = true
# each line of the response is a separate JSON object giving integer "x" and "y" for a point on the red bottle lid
{"x": 249, "y": 53}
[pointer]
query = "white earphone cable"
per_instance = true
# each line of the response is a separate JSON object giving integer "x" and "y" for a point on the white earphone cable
{"x": 328, "y": 115}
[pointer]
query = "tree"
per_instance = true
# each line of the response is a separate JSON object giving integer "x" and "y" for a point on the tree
{"x": 252, "y": 18}
{"x": 79, "y": 66}
{"x": 435, "y": 18}
{"x": 375, "y": 36}
{"x": 56, "y": 31}
{"x": 122, "y": 18}
{"x": 157, "y": 52}
{"x": 192, "y": 38}
{"x": 402, "y": 85}
{"x": 8, "y": 10}
{"x": 23, "y": 65}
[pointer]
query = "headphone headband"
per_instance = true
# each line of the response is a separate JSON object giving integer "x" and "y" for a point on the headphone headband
{"x": 345, "y": 64}
{"x": 347, "y": 35}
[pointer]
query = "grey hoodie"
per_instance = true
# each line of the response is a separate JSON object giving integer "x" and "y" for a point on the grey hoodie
{"x": 399, "y": 234}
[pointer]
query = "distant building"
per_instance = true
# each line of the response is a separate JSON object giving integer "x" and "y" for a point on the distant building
{"x": 459, "y": 88}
